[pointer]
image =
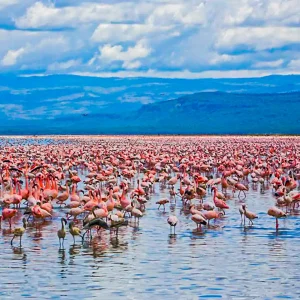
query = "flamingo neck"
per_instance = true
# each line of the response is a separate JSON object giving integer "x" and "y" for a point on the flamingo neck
{"x": 215, "y": 195}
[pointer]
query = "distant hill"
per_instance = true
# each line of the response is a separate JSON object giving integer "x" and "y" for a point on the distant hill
{"x": 64, "y": 104}
{"x": 224, "y": 113}
{"x": 200, "y": 113}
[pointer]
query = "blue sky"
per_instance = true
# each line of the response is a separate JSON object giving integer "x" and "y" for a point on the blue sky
{"x": 157, "y": 38}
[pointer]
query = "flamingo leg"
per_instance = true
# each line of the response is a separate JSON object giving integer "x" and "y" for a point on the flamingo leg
{"x": 11, "y": 242}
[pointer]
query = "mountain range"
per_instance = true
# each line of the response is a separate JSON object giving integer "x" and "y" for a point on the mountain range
{"x": 65, "y": 104}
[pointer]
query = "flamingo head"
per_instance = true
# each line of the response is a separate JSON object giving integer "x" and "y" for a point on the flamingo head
{"x": 213, "y": 188}
{"x": 71, "y": 224}
{"x": 24, "y": 222}
{"x": 64, "y": 220}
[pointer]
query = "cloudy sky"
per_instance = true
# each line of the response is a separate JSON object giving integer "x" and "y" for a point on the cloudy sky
{"x": 163, "y": 38}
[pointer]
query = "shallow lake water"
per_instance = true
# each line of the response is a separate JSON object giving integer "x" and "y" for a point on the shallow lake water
{"x": 226, "y": 260}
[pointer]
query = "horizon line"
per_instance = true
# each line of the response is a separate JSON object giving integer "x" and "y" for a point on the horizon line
{"x": 185, "y": 74}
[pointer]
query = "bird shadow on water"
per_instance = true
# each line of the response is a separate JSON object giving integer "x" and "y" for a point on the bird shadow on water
{"x": 247, "y": 228}
{"x": 62, "y": 255}
{"x": 118, "y": 243}
{"x": 18, "y": 249}
{"x": 74, "y": 250}
{"x": 198, "y": 233}
{"x": 161, "y": 213}
{"x": 172, "y": 238}
{"x": 115, "y": 242}
{"x": 172, "y": 207}
{"x": 62, "y": 261}
{"x": 279, "y": 233}
{"x": 277, "y": 247}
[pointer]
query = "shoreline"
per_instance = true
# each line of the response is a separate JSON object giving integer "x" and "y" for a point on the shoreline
{"x": 42, "y": 136}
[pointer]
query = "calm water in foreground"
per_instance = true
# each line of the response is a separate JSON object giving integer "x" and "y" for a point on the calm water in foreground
{"x": 225, "y": 261}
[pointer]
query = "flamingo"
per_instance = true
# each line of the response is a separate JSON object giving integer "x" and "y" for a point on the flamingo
{"x": 75, "y": 231}
{"x": 241, "y": 188}
{"x": 136, "y": 213}
{"x": 63, "y": 197}
{"x": 172, "y": 221}
{"x": 8, "y": 214}
{"x": 123, "y": 200}
{"x": 199, "y": 220}
{"x": 211, "y": 214}
{"x": 117, "y": 222}
{"x": 19, "y": 232}
{"x": 277, "y": 214}
{"x": 218, "y": 202}
{"x": 248, "y": 214}
{"x": 162, "y": 202}
{"x": 61, "y": 233}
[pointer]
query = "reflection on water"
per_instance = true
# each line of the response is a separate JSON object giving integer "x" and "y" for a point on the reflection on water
{"x": 145, "y": 261}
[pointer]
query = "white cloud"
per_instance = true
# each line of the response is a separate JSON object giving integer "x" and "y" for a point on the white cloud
{"x": 5, "y": 3}
{"x": 16, "y": 111}
{"x": 187, "y": 74}
{"x": 64, "y": 65}
{"x": 258, "y": 38}
{"x": 269, "y": 64}
{"x": 29, "y": 50}
{"x": 105, "y": 91}
{"x": 190, "y": 35}
{"x": 132, "y": 98}
{"x": 132, "y": 64}
{"x": 129, "y": 57}
{"x": 225, "y": 58}
{"x": 294, "y": 64}
{"x": 12, "y": 56}
{"x": 184, "y": 13}
{"x": 66, "y": 98}
{"x": 127, "y": 32}
{"x": 275, "y": 12}
{"x": 43, "y": 16}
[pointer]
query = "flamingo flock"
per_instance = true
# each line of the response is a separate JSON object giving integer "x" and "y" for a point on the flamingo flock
{"x": 96, "y": 184}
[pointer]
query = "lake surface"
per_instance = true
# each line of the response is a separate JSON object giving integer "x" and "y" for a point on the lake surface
{"x": 224, "y": 261}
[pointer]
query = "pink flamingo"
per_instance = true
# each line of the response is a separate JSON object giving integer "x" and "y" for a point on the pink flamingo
{"x": 211, "y": 214}
{"x": 199, "y": 220}
{"x": 8, "y": 214}
{"x": 218, "y": 202}
{"x": 276, "y": 213}
{"x": 241, "y": 188}
{"x": 172, "y": 221}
